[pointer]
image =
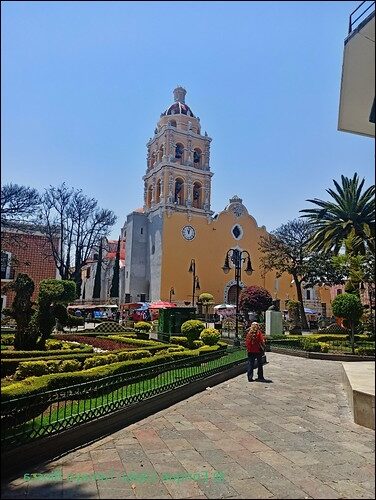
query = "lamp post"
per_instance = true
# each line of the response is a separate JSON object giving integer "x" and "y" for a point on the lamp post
{"x": 172, "y": 292}
{"x": 238, "y": 257}
{"x": 195, "y": 280}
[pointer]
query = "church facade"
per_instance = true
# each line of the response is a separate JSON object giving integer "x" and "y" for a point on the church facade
{"x": 176, "y": 226}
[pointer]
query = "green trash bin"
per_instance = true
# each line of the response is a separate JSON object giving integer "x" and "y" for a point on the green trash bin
{"x": 170, "y": 321}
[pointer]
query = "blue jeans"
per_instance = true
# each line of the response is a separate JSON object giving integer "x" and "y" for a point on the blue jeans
{"x": 252, "y": 356}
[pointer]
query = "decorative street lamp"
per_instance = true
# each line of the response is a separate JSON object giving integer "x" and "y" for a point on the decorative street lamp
{"x": 195, "y": 280}
{"x": 237, "y": 258}
{"x": 172, "y": 292}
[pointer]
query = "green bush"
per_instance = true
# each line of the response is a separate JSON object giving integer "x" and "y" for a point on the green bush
{"x": 7, "y": 339}
{"x": 210, "y": 336}
{"x": 192, "y": 329}
{"x": 54, "y": 345}
{"x": 143, "y": 326}
{"x": 69, "y": 365}
{"x": 108, "y": 359}
{"x": 365, "y": 351}
{"x": 309, "y": 345}
{"x": 183, "y": 341}
{"x": 31, "y": 369}
{"x": 44, "y": 383}
{"x": 36, "y": 354}
{"x": 139, "y": 354}
{"x": 177, "y": 348}
{"x": 324, "y": 347}
{"x": 198, "y": 343}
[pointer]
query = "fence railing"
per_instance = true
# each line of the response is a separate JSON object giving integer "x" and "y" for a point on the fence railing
{"x": 33, "y": 417}
{"x": 359, "y": 14}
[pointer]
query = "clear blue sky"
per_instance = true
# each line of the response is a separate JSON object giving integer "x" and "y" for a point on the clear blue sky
{"x": 84, "y": 83}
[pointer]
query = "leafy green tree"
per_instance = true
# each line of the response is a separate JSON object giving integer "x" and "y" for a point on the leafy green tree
{"x": 114, "y": 291}
{"x": 348, "y": 307}
{"x": 350, "y": 214}
{"x": 98, "y": 274}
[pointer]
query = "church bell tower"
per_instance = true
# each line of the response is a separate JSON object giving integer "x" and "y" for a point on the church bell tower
{"x": 178, "y": 177}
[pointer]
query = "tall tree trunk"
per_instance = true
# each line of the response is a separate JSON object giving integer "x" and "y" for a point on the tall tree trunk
{"x": 300, "y": 299}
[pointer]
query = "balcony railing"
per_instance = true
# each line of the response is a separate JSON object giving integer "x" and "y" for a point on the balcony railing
{"x": 359, "y": 14}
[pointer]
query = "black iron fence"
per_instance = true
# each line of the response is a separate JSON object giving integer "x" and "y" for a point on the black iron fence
{"x": 39, "y": 415}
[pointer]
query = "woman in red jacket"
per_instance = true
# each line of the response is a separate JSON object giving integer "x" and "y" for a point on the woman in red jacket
{"x": 255, "y": 344}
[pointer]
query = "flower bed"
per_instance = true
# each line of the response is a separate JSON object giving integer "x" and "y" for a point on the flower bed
{"x": 100, "y": 342}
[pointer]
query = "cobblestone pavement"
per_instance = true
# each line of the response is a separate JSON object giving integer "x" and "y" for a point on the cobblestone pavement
{"x": 292, "y": 438}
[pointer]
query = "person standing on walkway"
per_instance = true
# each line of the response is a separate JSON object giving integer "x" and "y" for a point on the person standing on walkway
{"x": 255, "y": 344}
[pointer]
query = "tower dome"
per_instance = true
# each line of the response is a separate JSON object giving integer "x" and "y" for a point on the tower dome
{"x": 179, "y": 107}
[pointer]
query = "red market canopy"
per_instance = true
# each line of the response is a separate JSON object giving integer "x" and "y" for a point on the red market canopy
{"x": 160, "y": 304}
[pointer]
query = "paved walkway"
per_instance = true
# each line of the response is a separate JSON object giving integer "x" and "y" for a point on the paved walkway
{"x": 292, "y": 438}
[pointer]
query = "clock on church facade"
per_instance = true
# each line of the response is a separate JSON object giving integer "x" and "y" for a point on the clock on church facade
{"x": 176, "y": 223}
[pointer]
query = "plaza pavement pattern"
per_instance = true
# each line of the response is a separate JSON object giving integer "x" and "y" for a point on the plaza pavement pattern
{"x": 292, "y": 438}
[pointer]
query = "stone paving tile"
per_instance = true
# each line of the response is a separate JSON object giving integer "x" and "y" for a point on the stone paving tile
{"x": 294, "y": 438}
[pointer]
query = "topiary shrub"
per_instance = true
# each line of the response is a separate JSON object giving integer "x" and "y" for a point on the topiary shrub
{"x": 210, "y": 336}
{"x": 192, "y": 330}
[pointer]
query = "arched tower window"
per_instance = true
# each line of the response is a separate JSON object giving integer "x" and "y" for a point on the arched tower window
{"x": 179, "y": 152}
{"x": 179, "y": 191}
{"x": 160, "y": 153}
{"x": 197, "y": 198}
{"x": 197, "y": 157}
{"x": 149, "y": 196}
{"x": 159, "y": 191}
{"x": 173, "y": 123}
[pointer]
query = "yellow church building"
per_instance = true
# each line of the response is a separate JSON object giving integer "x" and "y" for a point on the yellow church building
{"x": 176, "y": 226}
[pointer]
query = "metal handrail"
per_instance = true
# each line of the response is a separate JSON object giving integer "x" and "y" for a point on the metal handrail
{"x": 351, "y": 22}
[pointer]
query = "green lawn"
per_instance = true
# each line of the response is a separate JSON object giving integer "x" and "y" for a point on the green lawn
{"x": 67, "y": 413}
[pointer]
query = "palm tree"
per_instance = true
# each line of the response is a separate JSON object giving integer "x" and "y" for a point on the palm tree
{"x": 350, "y": 217}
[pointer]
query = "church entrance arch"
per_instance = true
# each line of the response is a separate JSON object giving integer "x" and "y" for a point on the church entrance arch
{"x": 229, "y": 294}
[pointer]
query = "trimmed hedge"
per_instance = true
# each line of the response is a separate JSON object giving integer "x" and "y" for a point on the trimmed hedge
{"x": 37, "y": 354}
{"x": 37, "y": 368}
{"x": 36, "y": 385}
